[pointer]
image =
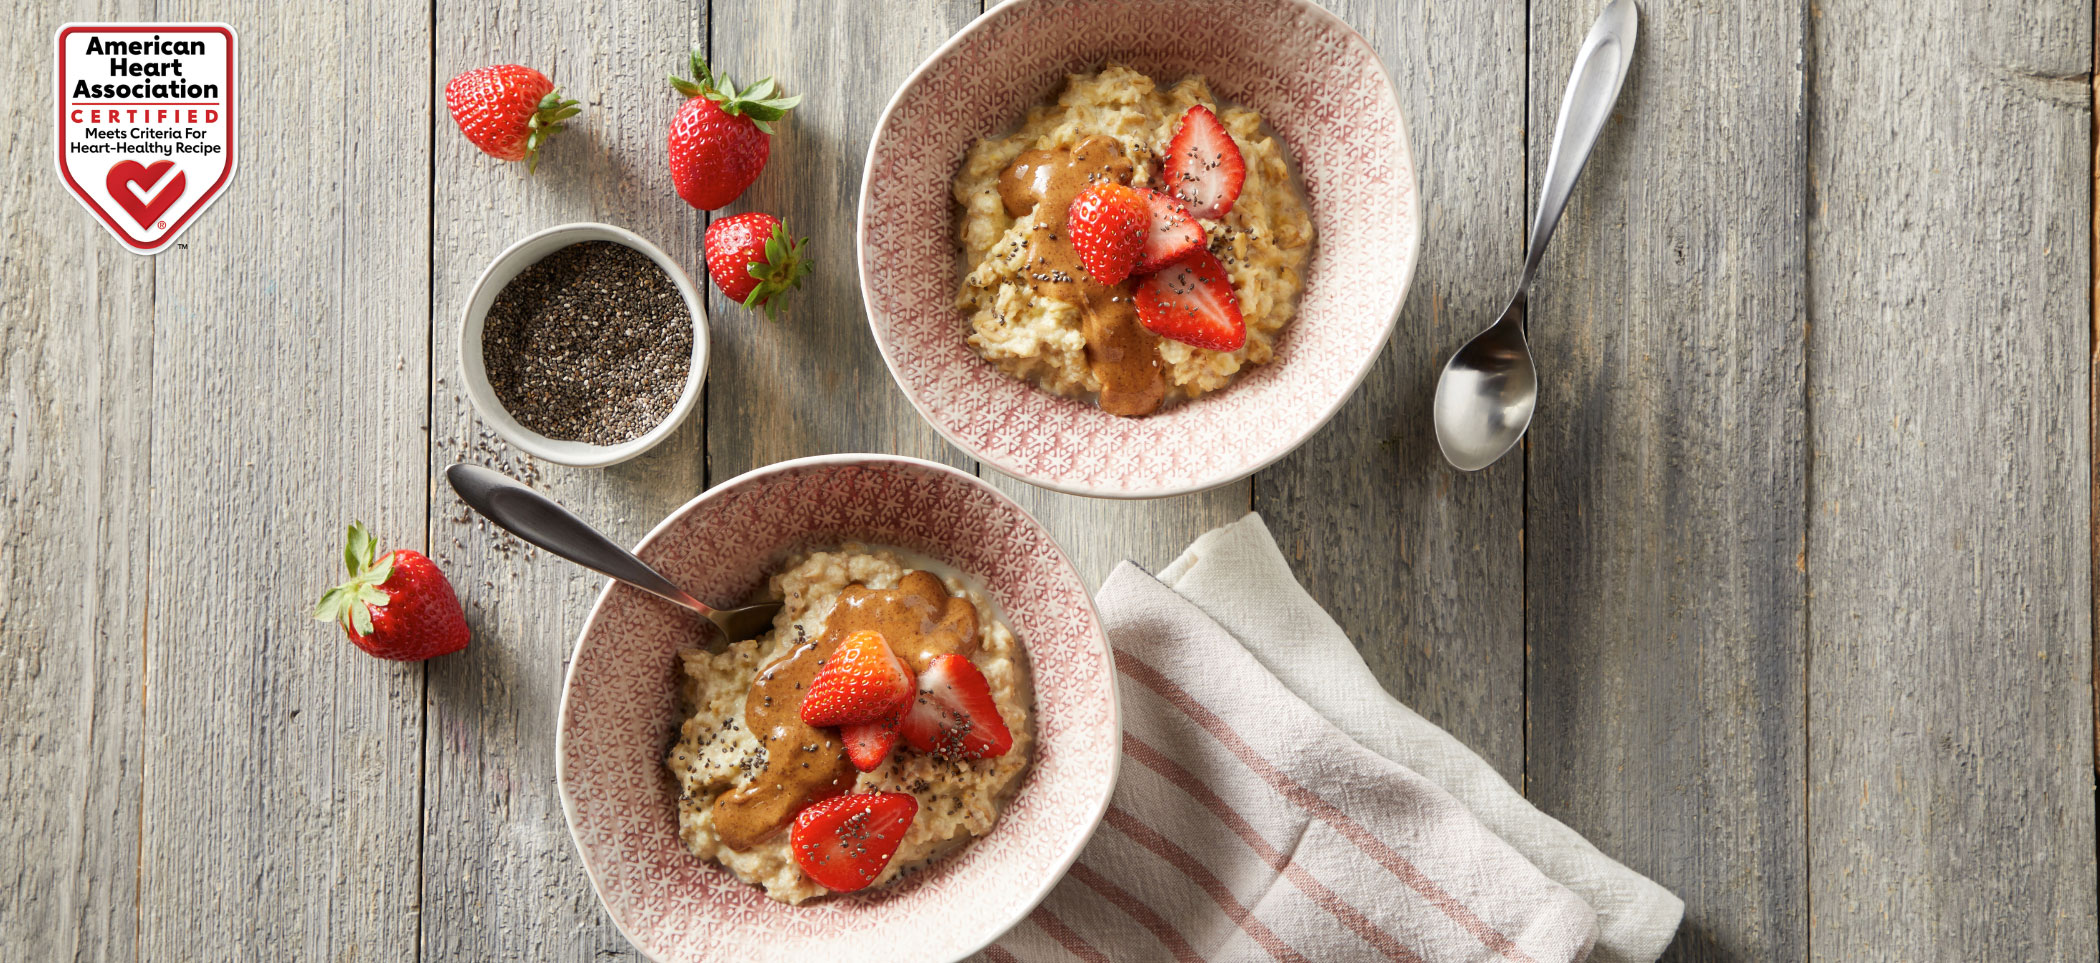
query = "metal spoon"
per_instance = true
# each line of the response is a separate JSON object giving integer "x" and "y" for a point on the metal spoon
{"x": 538, "y": 519}
{"x": 1489, "y": 389}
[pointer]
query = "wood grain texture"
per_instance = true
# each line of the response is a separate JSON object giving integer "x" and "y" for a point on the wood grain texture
{"x": 1951, "y": 797}
{"x": 1435, "y": 607}
{"x": 1098, "y": 533}
{"x": 279, "y": 793}
{"x": 501, "y": 879}
{"x": 76, "y": 322}
{"x": 1808, "y": 606}
{"x": 814, "y": 383}
{"x": 1666, "y": 599}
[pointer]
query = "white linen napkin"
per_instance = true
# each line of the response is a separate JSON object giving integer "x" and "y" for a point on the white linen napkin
{"x": 1276, "y": 803}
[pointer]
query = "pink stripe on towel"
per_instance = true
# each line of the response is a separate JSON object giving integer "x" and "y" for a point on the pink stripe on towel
{"x": 1328, "y": 899}
{"x": 1205, "y": 880}
{"x": 1311, "y": 802}
{"x": 1248, "y": 827}
{"x": 1161, "y": 930}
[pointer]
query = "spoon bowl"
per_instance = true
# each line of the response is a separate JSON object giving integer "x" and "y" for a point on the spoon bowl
{"x": 1487, "y": 393}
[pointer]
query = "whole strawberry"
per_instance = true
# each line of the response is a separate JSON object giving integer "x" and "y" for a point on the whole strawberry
{"x": 754, "y": 260}
{"x": 1109, "y": 223}
{"x": 721, "y": 136}
{"x": 508, "y": 111}
{"x": 397, "y": 606}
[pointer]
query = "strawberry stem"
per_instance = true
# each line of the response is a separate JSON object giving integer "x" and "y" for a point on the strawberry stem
{"x": 350, "y": 603}
{"x": 781, "y": 271}
{"x": 758, "y": 101}
{"x": 545, "y": 123}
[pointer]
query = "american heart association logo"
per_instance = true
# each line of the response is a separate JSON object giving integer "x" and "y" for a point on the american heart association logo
{"x": 129, "y": 184}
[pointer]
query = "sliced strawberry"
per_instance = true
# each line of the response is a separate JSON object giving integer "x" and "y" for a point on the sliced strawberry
{"x": 1174, "y": 233}
{"x": 954, "y": 715}
{"x": 862, "y": 681}
{"x": 1203, "y": 165}
{"x": 845, "y": 842}
{"x": 1107, "y": 223}
{"x": 1192, "y": 302}
{"x": 869, "y": 743}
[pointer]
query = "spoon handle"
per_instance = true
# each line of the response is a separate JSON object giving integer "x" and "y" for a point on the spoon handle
{"x": 1600, "y": 69}
{"x": 542, "y": 521}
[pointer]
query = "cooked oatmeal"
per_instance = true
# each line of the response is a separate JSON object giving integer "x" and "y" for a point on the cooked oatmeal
{"x": 1034, "y": 331}
{"x": 731, "y": 807}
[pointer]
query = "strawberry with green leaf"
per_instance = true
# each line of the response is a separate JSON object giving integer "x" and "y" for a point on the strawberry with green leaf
{"x": 508, "y": 111}
{"x": 395, "y": 606}
{"x": 722, "y": 136}
{"x": 754, "y": 260}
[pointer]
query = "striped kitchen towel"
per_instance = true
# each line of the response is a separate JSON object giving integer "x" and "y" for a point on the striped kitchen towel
{"x": 1247, "y": 824}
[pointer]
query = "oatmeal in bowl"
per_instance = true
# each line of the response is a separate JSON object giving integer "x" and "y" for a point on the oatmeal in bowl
{"x": 1292, "y": 86}
{"x": 928, "y": 695}
{"x": 1218, "y": 199}
{"x": 909, "y": 577}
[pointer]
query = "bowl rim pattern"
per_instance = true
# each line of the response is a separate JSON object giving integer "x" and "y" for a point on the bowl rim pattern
{"x": 1411, "y": 248}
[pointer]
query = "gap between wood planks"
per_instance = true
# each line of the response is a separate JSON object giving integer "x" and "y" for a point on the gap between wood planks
{"x": 430, "y": 247}
{"x": 2093, "y": 394}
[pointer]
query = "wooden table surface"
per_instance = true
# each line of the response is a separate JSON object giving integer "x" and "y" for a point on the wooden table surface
{"x": 1787, "y": 603}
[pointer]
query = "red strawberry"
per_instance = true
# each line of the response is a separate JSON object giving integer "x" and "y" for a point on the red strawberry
{"x": 1192, "y": 302}
{"x": 954, "y": 715}
{"x": 862, "y": 681}
{"x": 754, "y": 260}
{"x": 845, "y": 842}
{"x": 1203, "y": 165}
{"x": 869, "y": 743}
{"x": 1108, "y": 224}
{"x": 1173, "y": 235}
{"x": 722, "y": 135}
{"x": 508, "y": 111}
{"x": 398, "y": 606}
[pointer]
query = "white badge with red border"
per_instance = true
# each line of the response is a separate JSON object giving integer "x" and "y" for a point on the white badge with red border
{"x": 145, "y": 124}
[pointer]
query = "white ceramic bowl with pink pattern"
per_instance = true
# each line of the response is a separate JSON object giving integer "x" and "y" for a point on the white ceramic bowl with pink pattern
{"x": 620, "y": 713}
{"x": 1321, "y": 88}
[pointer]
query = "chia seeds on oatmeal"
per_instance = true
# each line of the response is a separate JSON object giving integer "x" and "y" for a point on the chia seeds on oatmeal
{"x": 592, "y": 343}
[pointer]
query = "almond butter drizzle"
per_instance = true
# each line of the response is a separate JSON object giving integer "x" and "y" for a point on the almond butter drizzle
{"x": 1119, "y": 351}
{"x": 919, "y": 620}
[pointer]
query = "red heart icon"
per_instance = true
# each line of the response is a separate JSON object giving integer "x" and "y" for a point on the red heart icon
{"x": 130, "y": 180}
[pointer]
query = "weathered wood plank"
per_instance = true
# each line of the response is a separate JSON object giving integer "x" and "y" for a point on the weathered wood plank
{"x": 1435, "y": 610}
{"x": 279, "y": 795}
{"x": 76, "y": 322}
{"x": 1666, "y": 471}
{"x": 1950, "y": 723}
{"x": 1097, "y": 533}
{"x": 501, "y": 880}
{"x": 813, "y": 383}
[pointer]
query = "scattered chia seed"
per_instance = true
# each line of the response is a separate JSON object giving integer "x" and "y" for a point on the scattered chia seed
{"x": 590, "y": 344}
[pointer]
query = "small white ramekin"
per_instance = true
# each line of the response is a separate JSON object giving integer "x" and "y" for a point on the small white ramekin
{"x": 474, "y": 374}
